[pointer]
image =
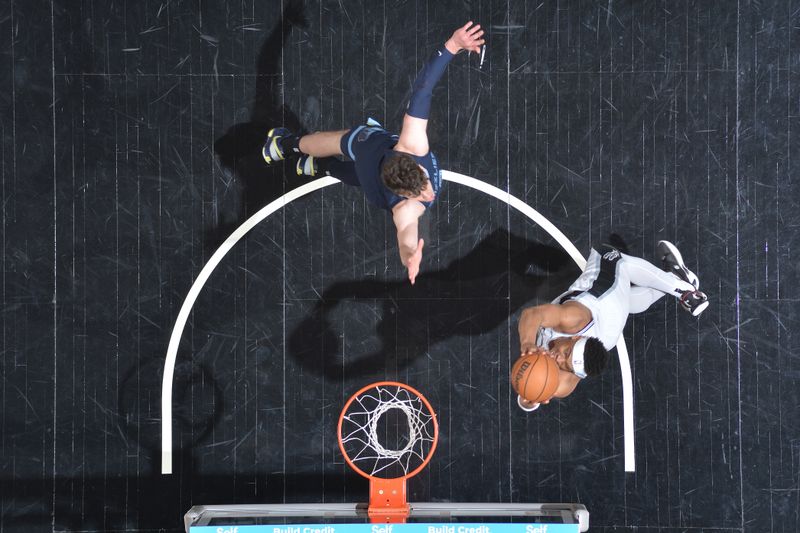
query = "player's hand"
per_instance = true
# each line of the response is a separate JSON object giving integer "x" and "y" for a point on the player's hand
{"x": 414, "y": 261}
{"x": 531, "y": 349}
{"x": 527, "y": 348}
{"x": 526, "y": 405}
{"x": 467, "y": 37}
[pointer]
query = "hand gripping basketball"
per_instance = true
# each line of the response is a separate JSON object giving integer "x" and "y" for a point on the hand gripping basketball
{"x": 534, "y": 376}
{"x": 533, "y": 350}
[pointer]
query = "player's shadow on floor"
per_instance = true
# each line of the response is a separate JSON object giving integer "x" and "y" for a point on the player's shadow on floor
{"x": 198, "y": 404}
{"x": 239, "y": 149}
{"x": 472, "y": 296}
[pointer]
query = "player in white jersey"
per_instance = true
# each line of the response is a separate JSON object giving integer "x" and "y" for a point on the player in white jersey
{"x": 579, "y": 327}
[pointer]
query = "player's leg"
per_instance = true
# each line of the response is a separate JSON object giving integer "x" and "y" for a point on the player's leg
{"x": 645, "y": 274}
{"x": 322, "y": 143}
{"x": 641, "y": 298}
{"x": 344, "y": 171}
{"x": 281, "y": 143}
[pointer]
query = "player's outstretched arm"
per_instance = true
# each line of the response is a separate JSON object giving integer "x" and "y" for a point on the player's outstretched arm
{"x": 467, "y": 37}
{"x": 413, "y": 135}
{"x": 406, "y": 216}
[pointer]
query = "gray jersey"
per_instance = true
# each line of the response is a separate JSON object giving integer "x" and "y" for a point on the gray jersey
{"x": 604, "y": 289}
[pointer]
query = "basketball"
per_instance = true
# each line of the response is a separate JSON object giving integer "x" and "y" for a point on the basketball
{"x": 535, "y": 377}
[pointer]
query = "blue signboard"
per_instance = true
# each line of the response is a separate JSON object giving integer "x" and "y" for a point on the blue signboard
{"x": 530, "y": 527}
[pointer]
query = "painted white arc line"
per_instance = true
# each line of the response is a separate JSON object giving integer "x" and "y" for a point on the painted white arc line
{"x": 250, "y": 223}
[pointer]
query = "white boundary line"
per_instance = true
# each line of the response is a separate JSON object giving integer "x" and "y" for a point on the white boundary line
{"x": 263, "y": 213}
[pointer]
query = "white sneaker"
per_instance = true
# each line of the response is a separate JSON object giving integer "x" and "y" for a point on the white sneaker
{"x": 672, "y": 261}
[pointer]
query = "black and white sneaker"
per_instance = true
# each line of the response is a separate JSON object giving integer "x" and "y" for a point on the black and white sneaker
{"x": 694, "y": 301}
{"x": 306, "y": 166}
{"x": 272, "y": 150}
{"x": 672, "y": 261}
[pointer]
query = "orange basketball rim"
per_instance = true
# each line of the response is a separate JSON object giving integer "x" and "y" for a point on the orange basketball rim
{"x": 364, "y": 431}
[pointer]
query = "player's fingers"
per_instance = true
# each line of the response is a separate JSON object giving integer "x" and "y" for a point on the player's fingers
{"x": 473, "y": 29}
{"x": 466, "y": 26}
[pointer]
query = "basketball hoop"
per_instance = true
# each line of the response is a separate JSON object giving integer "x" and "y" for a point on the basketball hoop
{"x": 365, "y": 427}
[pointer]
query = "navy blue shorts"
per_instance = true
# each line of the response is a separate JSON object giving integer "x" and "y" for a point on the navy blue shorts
{"x": 355, "y": 146}
{"x": 366, "y": 140}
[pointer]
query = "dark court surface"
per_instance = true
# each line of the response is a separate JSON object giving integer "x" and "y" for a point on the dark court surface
{"x": 131, "y": 135}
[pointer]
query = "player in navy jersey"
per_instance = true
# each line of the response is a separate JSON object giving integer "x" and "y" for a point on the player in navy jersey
{"x": 398, "y": 173}
{"x": 579, "y": 327}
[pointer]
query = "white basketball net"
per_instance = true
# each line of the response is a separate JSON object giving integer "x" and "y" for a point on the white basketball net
{"x": 361, "y": 434}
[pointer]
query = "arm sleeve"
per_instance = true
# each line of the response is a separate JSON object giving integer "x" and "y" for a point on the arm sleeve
{"x": 420, "y": 104}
